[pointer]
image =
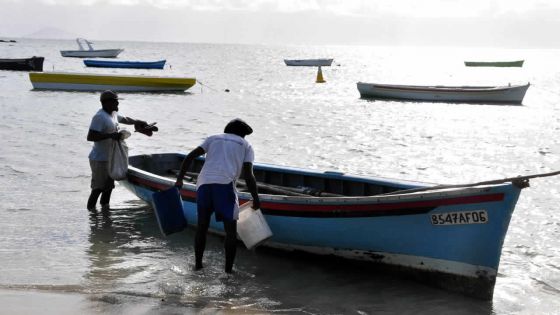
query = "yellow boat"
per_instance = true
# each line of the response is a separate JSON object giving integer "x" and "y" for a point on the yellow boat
{"x": 101, "y": 82}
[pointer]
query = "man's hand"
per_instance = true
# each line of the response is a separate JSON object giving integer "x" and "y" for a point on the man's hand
{"x": 143, "y": 127}
{"x": 256, "y": 204}
{"x": 115, "y": 136}
{"x": 139, "y": 124}
{"x": 179, "y": 183}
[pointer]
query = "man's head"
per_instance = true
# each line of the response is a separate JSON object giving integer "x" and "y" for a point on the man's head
{"x": 110, "y": 101}
{"x": 238, "y": 127}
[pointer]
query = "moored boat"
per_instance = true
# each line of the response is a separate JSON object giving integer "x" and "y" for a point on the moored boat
{"x": 308, "y": 62}
{"x": 125, "y": 64}
{"x": 516, "y": 63}
{"x": 509, "y": 94}
{"x": 90, "y": 52}
{"x": 25, "y": 64}
{"x": 450, "y": 237}
{"x": 101, "y": 82}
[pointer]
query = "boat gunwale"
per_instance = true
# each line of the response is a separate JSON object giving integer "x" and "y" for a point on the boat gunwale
{"x": 443, "y": 89}
{"x": 343, "y": 200}
{"x": 127, "y": 62}
{"x": 311, "y": 59}
{"x": 120, "y": 50}
{"x": 21, "y": 59}
{"x": 107, "y": 79}
{"x": 512, "y": 63}
{"x": 309, "y": 62}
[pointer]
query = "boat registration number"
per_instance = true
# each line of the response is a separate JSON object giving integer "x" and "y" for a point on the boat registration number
{"x": 461, "y": 217}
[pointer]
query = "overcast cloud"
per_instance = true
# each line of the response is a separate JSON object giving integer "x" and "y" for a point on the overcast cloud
{"x": 512, "y": 23}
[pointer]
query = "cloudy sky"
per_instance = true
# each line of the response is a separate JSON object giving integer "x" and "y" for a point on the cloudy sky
{"x": 504, "y": 23}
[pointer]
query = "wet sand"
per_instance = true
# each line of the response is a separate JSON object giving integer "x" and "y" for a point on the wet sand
{"x": 39, "y": 302}
{"x": 20, "y": 301}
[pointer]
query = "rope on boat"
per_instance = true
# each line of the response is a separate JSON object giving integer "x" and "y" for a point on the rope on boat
{"x": 519, "y": 181}
{"x": 211, "y": 88}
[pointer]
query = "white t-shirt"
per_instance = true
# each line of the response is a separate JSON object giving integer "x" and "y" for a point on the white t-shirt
{"x": 225, "y": 155}
{"x": 104, "y": 123}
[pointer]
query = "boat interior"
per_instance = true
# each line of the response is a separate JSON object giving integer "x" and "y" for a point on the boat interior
{"x": 275, "y": 180}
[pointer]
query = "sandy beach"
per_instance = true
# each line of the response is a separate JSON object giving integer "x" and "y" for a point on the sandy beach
{"x": 17, "y": 302}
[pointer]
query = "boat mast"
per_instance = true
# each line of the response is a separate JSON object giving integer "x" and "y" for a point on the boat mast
{"x": 79, "y": 43}
{"x": 89, "y": 44}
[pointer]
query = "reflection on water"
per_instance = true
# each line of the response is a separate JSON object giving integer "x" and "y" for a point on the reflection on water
{"x": 121, "y": 242}
{"x": 101, "y": 251}
{"x": 129, "y": 259}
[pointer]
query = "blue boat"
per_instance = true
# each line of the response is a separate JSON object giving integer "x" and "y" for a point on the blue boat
{"x": 447, "y": 236}
{"x": 125, "y": 64}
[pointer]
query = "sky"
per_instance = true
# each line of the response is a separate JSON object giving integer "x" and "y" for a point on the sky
{"x": 500, "y": 23}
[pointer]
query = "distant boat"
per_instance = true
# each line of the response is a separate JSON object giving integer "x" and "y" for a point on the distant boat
{"x": 308, "y": 62}
{"x": 511, "y": 94}
{"x": 26, "y": 64}
{"x": 450, "y": 237}
{"x": 125, "y": 64}
{"x": 516, "y": 63}
{"x": 90, "y": 52}
{"x": 101, "y": 82}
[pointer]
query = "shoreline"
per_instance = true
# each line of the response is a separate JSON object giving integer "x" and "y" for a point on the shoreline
{"x": 25, "y": 301}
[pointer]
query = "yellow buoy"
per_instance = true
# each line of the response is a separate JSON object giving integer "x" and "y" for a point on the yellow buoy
{"x": 320, "y": 76}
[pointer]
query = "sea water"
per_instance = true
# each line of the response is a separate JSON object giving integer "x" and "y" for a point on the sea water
{"x": 50, "y": 243}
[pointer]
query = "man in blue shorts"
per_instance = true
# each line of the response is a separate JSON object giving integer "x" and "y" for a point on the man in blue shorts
{"x": 227, "y": 155}
{"x": 103, "y": 130}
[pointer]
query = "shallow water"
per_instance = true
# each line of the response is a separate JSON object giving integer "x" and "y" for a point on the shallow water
{"x": 50, "y": 243}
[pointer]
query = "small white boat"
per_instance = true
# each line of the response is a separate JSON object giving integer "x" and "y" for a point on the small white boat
{"x": 101, "y": 82}
{"x": 510, "y": 94}
{"x": 90, "y": 52}
{"x": 308, "y": 62}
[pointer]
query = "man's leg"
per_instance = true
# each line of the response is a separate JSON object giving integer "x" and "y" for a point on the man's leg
{"x": 230, "y": 243}
{"x": 101, "y": 184}
{"x": 200, "y": 237}
{"x": 92, "y": 200}
{"x": 105, "y": 198}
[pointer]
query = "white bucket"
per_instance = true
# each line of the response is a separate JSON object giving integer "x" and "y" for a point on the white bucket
{"x": 251, "y": 226}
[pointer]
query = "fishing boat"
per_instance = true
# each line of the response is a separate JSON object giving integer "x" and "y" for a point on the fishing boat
{"x": 26, "y": 64}
{"x": 449, "y": 236}
{"x": 509, "y": 94}
{"x": 516, "y": 63}
{"x": 125, "y": 64}
{"x": 101, "y": 82}
{"x": 308, "y": 62}
{"x": 90, "y": 52}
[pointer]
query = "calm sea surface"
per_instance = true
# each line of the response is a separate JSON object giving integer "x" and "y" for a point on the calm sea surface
{"x": 50, "y": 243}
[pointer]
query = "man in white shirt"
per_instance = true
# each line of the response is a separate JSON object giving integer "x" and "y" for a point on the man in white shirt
{"x": 227, "y": 155}
{"x": 102, "y": 132}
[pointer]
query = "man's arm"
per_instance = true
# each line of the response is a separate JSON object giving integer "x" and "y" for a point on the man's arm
{"x": 198, "y": 151}
{"x": 95, "y": 136}
{"x": 131, "y": 121}
{"x": 251, "y": 184}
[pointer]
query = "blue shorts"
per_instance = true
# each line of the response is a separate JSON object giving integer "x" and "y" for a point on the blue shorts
{"x": 219, "y": 198}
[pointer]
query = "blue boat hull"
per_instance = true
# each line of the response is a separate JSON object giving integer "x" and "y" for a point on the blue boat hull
{"x": 125, "y": 64}
{"x": 451, "y": 238}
